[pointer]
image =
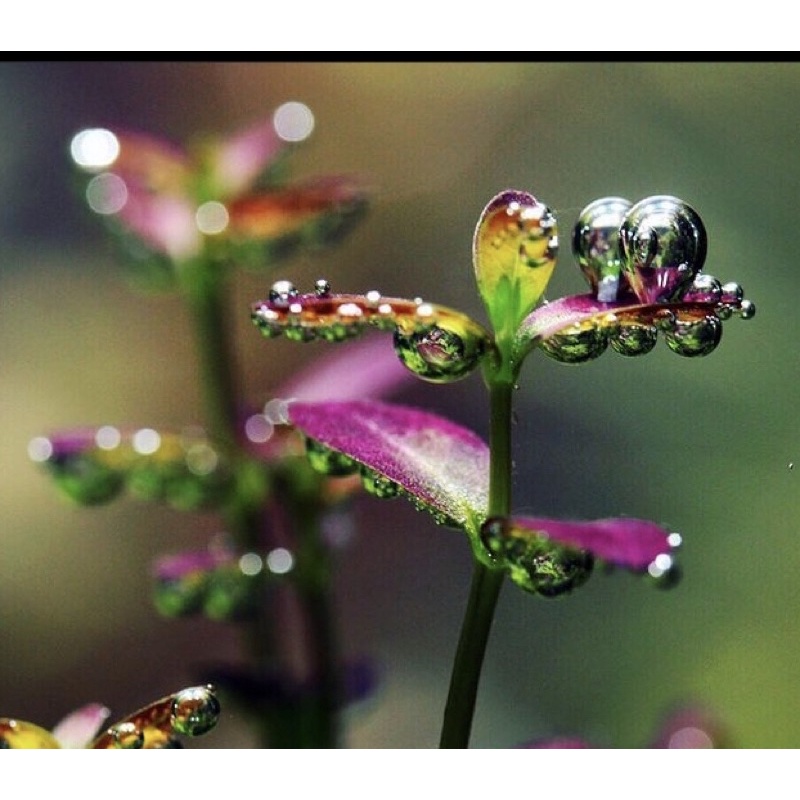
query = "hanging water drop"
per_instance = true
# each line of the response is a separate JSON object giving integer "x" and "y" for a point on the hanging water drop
{"x": 595, "y": 243}
{"x": 576, "y": 346}
{"x": 379, "y": 485}
{"x": 439, "y": 355}
{"x": 127, "y": 736}
{"x": 195, "y": 711}
{"x": 634, "y": 339}
{"x": 663, "y": 246}
{"x": 694, "y": 337}
{"x": 327, "y": 461}
{"x": 535, "y": 563}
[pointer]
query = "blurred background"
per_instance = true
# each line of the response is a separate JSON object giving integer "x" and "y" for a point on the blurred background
{"x": 704, "y": 446}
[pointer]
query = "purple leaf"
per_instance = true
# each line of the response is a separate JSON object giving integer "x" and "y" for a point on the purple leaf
{"x": 444, "y": 466}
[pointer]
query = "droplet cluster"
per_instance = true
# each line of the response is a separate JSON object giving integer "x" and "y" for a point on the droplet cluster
{"x": 645, "y": 260}
{"x": 190, "y": 712}
{"x": 93, "y": 466}
{"x": 436, "y": 343}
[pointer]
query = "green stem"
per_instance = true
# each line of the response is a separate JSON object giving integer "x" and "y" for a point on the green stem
{"x": 486, "y": 583}
{"x": 205, "y": 291}
{"x": 314, "y": 594}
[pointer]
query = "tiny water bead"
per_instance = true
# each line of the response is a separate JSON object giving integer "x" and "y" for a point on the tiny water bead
{"x": 436, "y": 343}
{"x": 379, "y": 485}
{"x": 328, "y": 461}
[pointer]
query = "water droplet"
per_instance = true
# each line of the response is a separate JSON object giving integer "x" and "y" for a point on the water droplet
{"x": 747, "y": 309}
{"x": 578, "y": 346}
{"x": 267, "y": 321}
{"x": 663, "y": 245}
{"x": 322, "y": 287}
{"x": 595, "y": 243}
{"x": 437, "y": 354}
{"x": 732, "y": 294}
{"x": 703, "y": 289}
{"x": 282, "y": 293}
{"x": 327, "y": 461}
{"x": 535, "y": 563}
{"x": 664, "y": 572}
{"x": 694, "y": 338}
{"x": 379, "y": 485}
{"x": 195, "y": 711}
{"x": 634, "y": 339}
{"x": 127, "y": 735}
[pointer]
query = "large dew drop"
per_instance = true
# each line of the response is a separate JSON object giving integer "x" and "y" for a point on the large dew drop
{"x": 535, "y": 563}
{"x": 663, "y": 245}
{"x": 595, "y": 243}
{"x": 576, "y": 346}
{"x": 195, "y": 711}
{"x": 437, "y": 354}
{"x": 694, "y": 338}
{"x": 634, "y": 339}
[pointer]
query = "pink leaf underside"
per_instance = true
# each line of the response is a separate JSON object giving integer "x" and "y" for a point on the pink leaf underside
{"x": 80, "y": 727}
{"x": 238, "y": 160}
{"x": 625, "y": 541}
{"x": 367, "y": 368}
{"x": 444, "y": 465}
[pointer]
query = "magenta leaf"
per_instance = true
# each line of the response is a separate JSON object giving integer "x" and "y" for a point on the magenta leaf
{"x": 441, "y": 466}
{"x": 624, "y": 541}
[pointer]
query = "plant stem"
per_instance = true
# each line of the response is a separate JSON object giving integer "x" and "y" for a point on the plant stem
{"x": 486, "y": 583}
{"x": 204, "y": 289}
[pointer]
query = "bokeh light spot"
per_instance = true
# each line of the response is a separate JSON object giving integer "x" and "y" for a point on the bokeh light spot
{"x": 106, "y": 193}
{"x": 94, "y": 148}
{"x": 293, "y": 121}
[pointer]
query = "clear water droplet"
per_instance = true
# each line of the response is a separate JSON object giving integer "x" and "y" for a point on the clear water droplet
{"x": 703, "y": 289}
{"x": 595, "y": 243}
{"x": 437, "y": 354}
{"x": 195, "y": 711}
{"x": 747, "y": 309}
{"x": 732, "y": 294}
{"x": 695, "y": 337}
{"x": 322, "y": 287}
{"x": 127, "y": 735}
{"x": 535, "y": 563}
{"x": 663, "y": 246}
{"x": 634, "y": 339}
{"x": 282, "y": 293}
{"x": 576, "y": 347}
{"x": 327, "y": 461}
{"x": 378, "y": 485}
